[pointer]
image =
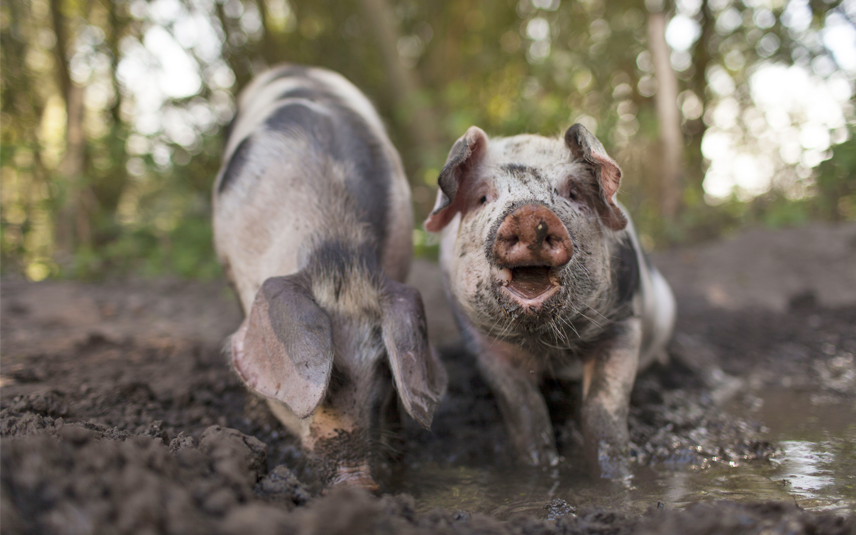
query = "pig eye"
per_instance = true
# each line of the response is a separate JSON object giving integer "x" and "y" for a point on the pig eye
{"x": 483, "y": 199}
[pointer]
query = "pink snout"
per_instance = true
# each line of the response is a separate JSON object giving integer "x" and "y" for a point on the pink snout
{"x": 531, "y": 243}
{"x": 532, "y": 235}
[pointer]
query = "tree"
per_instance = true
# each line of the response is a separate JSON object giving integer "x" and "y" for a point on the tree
{"x": 113, "y": 111}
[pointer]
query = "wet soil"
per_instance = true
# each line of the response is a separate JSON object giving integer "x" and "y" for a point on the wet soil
{"x": 119, "y": 414}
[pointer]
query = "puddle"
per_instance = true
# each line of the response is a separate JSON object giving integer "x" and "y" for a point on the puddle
{"x": 815, "y": 466}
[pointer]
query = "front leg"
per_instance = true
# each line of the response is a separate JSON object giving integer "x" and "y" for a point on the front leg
{"x": 513, "y": 377}
{"x": 608, "y": 378}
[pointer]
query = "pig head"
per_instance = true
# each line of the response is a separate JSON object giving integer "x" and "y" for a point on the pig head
{"x": 326, "y": 348}
{"x": 312, "y": 222}
{"x": 547, "y": 277}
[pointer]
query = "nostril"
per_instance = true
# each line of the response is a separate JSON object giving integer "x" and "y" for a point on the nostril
{"x": 508, "y": 240}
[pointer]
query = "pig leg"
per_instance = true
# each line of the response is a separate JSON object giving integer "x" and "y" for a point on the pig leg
{"x": 391, "y": 434}
{"x": 514, "y": 379}
{"x": 607, "y": 381}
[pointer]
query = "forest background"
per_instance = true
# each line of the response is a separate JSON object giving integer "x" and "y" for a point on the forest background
{"x": 722, "y": 113}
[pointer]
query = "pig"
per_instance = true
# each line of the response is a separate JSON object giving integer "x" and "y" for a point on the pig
{"x": 313, "y": 225}
{"x": 546, "y": 278}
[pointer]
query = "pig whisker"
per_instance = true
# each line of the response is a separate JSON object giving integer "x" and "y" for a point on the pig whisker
{"x": 559, "y": 332}
{"x": 570, "y": 324}
{"x": 598, "y": 312}
{"x": 492, "y": 327}
{"x": 551, "y": 346}
{"x": 580, "y": 312}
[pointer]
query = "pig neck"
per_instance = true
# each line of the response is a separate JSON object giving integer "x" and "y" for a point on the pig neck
{"x": 346, "y": 276}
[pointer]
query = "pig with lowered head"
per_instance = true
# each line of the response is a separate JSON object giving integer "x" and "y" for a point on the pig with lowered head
{"x": 547, "y": 278}
{"x": 312, "y": 223}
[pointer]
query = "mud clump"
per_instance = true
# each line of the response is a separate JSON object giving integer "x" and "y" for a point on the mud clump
{"x": 77, "y": 480}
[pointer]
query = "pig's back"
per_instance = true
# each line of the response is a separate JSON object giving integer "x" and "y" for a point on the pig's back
{"x": 307, "y": 157}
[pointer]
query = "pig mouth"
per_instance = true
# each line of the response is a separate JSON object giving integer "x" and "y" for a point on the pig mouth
{"x": 529, "y": 286}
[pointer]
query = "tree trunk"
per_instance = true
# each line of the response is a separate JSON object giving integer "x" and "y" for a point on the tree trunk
{"x": 270, "y": 48}
{"x": 671, "y": 137}
{"x": 108, "y": 187}
{"x": 694, "y": 175}
{"x": 73, "y": 228}
{"x": 116, "y": 27}
{"x": 25, "y": 108}
{"x": 421, "y": 125}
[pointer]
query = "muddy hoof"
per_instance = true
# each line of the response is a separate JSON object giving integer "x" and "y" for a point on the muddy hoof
{"x": 354, "y": 477}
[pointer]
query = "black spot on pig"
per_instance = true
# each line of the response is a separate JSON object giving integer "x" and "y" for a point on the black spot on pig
{"x": 358, "y": 145}
{"x": 227, "y": 130}
{"x": 523, "y": 173}
{"x": 625, "y": 271}
{"x": 338, "y": 259}
{"x": 517, "y": 170}
{"x": 349, "y": 141}
{"x": 236, "y": 164}
{"x": 297, "y": 117}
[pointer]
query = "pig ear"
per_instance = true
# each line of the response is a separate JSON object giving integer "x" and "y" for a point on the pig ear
{"x": 465, "y": 155}
{"x": 284, "y": 348}
{"x": 585, "y": 147}
{"x": 419, "y": 376}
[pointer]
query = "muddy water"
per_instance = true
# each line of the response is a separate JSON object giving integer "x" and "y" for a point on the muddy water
{"x": 815, "y": 466}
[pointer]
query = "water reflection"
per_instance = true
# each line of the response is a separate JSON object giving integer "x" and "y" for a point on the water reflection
{"x": 816, "y": 467}
{"x": 803, "y": 465}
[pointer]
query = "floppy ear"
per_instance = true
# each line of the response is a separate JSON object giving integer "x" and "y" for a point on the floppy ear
{"x": 585, "y": 147}
{"x": 284, "y": 348}
{"x": 419, "y": 376}
{"x": 465, "y": 155}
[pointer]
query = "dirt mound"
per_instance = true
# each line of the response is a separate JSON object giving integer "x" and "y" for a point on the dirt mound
{"x": 119, "y": 413}
{"x": 75, "y": 478}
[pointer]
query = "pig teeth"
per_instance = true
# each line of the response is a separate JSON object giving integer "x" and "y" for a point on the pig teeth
{"x": 504, "y": 276}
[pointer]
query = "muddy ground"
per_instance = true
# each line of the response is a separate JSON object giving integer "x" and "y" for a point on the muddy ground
{"x": 119, "y": 413}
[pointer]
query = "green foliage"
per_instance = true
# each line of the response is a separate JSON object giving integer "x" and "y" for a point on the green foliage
{"x": 138, "y": 199}
{"x": 836, "y": 185}
{"x": 185, "y": 251}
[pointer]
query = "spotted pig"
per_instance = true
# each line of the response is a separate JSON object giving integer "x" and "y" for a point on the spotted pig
{"x": 547, "y": 278}
{"x": 313, "y": 225}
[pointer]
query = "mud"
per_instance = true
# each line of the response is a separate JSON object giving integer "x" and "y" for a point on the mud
{"x": 119, "y": 414}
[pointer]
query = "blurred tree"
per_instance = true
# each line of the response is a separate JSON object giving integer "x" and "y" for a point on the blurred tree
{"x": 73, "y": 227}
{"x": 668, "y": 116}
{"x": 722, "y": 113}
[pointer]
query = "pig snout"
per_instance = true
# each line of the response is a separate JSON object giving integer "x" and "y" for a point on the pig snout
{"x": 532, "y": 235}
{"x": 531, "y": 242}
